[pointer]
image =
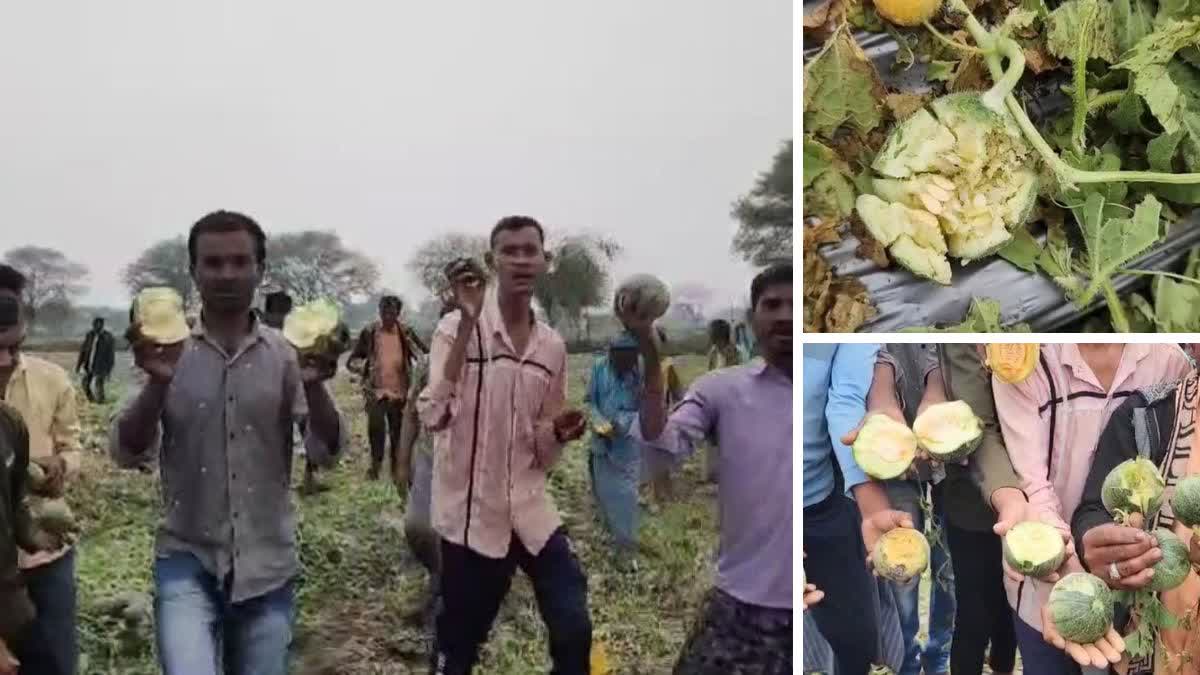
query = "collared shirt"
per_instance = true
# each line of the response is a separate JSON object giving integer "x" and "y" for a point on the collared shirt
{"x": 836, "y": 380}
{"x": 44, "y": 395}
{"x": 225, "y": 440}
{"x": 749, "y": 410}
{"x": 495, "y": 438}
{"x": 1052, "y": 423}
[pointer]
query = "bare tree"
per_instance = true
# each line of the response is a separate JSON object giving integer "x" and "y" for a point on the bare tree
{"x": 430, "y": 259}
{"x": 163, "y": 264}
{"x": 314, "y": 264}
{"x": 52, "y": 279}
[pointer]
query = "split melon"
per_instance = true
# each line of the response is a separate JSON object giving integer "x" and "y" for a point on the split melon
{"x": 316, "y": 328}
{"x": 1034, "y": 549}
{"x": 948, "y": 431}
{"x": 901, "y": 555}
{"x": 157, "y": 315}
{"x": 1173, "y": 569}
{"x": 1133, "y": 486}
{"x": 884, "y": 448}
{"x": 1081, "y": 606}
{"x": 1012, "y": 363}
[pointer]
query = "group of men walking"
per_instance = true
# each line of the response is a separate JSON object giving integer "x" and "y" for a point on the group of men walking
{"x": 472, "y": 429}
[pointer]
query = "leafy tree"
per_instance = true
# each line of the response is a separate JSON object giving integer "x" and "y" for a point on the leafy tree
{"x": 163, "y": 264}
{"x": 430, "y": 259}
{"x": 313, "y": 264}
{"x": 765, "y": 214}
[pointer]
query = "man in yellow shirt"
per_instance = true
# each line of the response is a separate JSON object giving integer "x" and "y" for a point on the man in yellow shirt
{"x": 44, "y": 396}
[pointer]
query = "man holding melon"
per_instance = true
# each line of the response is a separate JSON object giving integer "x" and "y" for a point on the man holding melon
{"x": 496, "y": 401}
{"x": 746, "y": 622}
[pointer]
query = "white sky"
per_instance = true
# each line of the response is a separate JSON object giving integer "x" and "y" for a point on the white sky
{"x": 124, "y": 121}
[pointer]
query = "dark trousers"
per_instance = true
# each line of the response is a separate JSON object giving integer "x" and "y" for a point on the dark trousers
{"x": 383, "y": 428}
{"x": 474, "y": 586}
{"x": 982, "y": 613}
{"x": 837, "y": 564}
{"x": 98, "y": 379}
{"x": 1039, "y": 657}
{"x": 50, "y": 646}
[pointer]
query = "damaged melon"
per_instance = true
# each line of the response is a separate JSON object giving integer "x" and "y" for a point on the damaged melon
{"x": 951, "y": 181}
{"x": 1012, "y": 363}
{"x": 884, "y": 448}
{"x": 157, "y": 315}
{"x": 1134, "y": 486}
{"x": 1034, "y": 549}
{"x": 948, "y": 431}
{"x": 901, "y": 555}
{"x": 316, "y": 328}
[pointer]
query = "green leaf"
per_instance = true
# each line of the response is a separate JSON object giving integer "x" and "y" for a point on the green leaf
{"x": 1172, "y": 10}
{"x": 1133, "y": 20}
{"x": 841, "y": 87}
{"x": 1148, "y": 61}
{"x": 1161, "y": 150}
{"x": 1177, "y": 303}
{"x": 1127, "y": 116}
{"x": 1113, "y": 242}
{"x": 1086, "y": 22}
{"x": 982, "y": 317}
{"x": 831, "y": 196}
{"x": 817, "y": 160}
{"x": 1018, "y": 20}
{"x": 1023, "y": 250}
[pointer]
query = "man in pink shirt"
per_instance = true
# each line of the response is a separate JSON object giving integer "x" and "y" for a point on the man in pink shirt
{"x": 496, "y": 401}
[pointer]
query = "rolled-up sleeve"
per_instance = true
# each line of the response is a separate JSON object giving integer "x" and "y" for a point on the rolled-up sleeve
{"x": 436, "y": 405}
{"x": 125, "y": 455}
{"x": 849, "y": 382}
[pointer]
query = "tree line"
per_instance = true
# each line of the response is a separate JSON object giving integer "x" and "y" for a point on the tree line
{"x": 317, "y": 263}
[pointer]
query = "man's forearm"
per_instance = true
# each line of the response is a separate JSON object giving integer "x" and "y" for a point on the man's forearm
{"x": 140, "y": 423}
{"x": 882, "y": 397}
{"x": 871, "y": 498}
{"x": 323, "y": 419}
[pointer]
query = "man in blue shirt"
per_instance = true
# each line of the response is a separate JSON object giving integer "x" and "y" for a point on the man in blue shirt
{"x": 837, "y": 533}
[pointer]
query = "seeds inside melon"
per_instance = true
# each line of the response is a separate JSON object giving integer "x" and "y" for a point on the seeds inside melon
{"x": 1034, "y": 549}
{"x": 901, "y": 555}
{"x": 1081, "y": 607}
{"x": 948, "y": 431}
{"x": 1133, "y": 486}
{"x": 1012, "y": 363}
{"x": 884, "y": 448}
{"x": 1173, "y": 569}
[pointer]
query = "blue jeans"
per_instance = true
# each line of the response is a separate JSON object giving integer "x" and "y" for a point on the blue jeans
{"x": 50, "y": 647}
{"x": 200, "y": 632}
{"x": 936, "y": 652}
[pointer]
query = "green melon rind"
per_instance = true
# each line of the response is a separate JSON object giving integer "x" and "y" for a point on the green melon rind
{"x": 1081, "y": 606}
{"x": 1117, "y": 495}
{"x": 1029, "y": 568}
{"x": 1186, "y": 502}
{"x": 964, "y": 450}
{"x": 1175, "y": 565}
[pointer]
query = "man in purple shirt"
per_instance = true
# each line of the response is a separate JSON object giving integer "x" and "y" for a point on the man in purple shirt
{"x": 746, "y": 622}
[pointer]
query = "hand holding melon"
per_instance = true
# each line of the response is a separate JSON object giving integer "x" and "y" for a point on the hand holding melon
{"x": 1078, "y": 620}
{"x": 639, "y": 301}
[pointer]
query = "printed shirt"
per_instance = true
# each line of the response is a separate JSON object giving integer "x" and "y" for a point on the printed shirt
{"x": 495, "y": 439}
{"x": 1052, "y": 423}
{"x": 225, "y": 441}
{"x": 44, "y": 395}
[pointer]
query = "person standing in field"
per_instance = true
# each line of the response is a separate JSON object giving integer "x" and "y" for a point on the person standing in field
{"x": 722, "y": 353}
{"x": 382, "y": 358}
{"x": 96, "y": 359}
{"x": 412, "y": 474}
{"x": 42, "y": 393}
{"x": 745, "y": 625}
{"x": 497, "y": 401}
{"x": 220, "y": 407}
{"x": 615, "y": 460}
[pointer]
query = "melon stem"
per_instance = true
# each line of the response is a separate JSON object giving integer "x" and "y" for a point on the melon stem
{"x": 991, "y": 48}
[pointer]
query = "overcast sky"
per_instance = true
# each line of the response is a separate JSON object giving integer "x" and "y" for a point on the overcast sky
{"x": 123, "y": 121}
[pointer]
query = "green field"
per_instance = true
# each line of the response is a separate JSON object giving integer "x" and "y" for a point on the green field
{"x": 360, "y": 581}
